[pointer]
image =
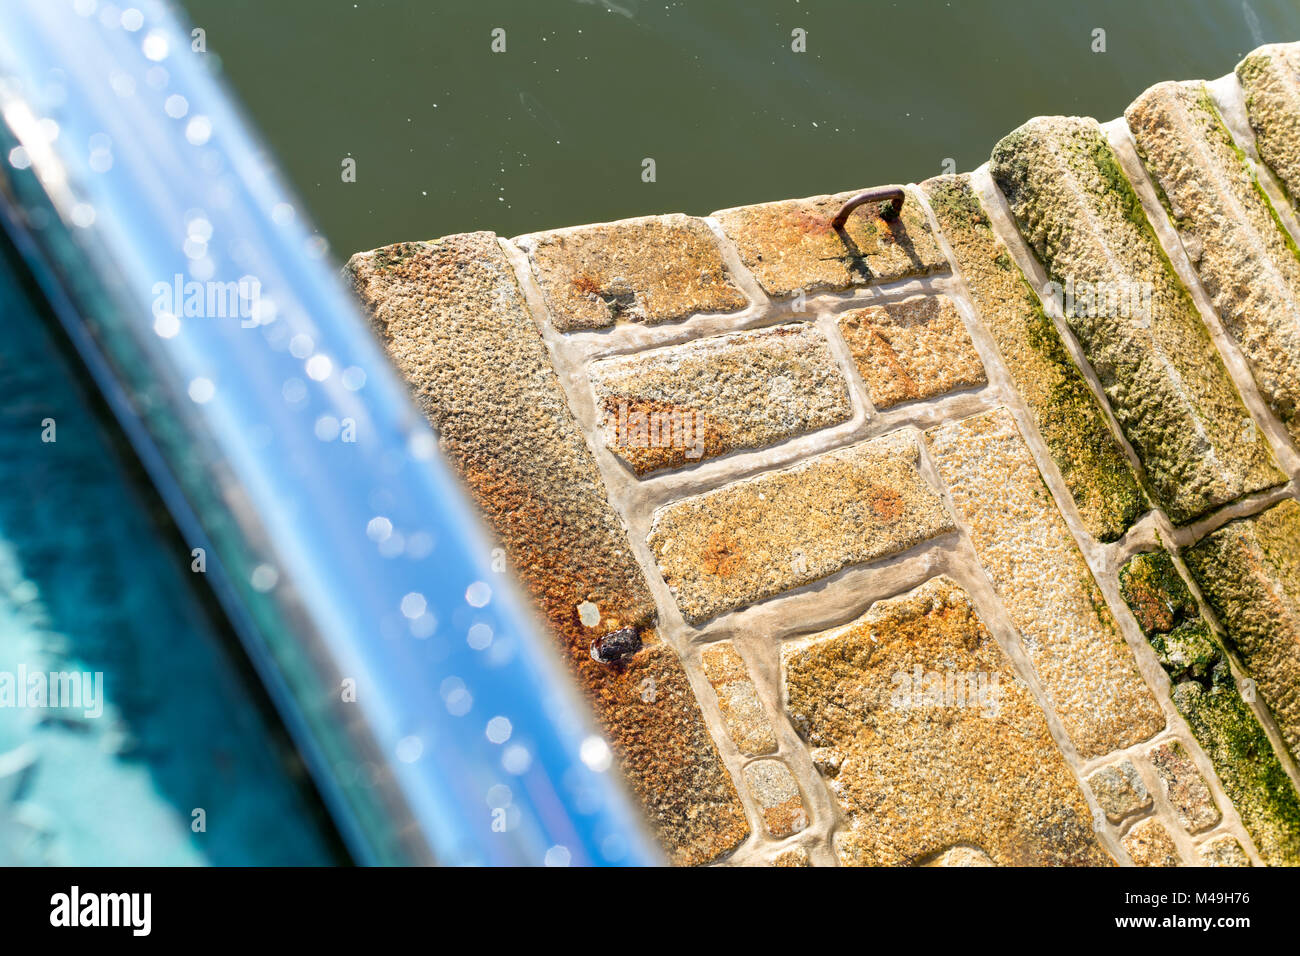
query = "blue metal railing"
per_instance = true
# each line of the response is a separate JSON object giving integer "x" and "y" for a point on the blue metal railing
{"x": 288, "y": 450}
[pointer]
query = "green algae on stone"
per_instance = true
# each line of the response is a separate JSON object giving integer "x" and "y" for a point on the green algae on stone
{"x": 1206, "y": 695}
{"x": 1067, "y": 414}
{"x": 1270, "y": 80}
{"x": 1245, "y": 259}
{"x": 1249, "y": 572}
{"x": 1152, "y": 353}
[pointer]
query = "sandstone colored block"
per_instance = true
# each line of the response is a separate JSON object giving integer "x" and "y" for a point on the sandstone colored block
{"x": 1249, "y": 572}
{"x": 918, "y": 771}
{"x": 1270, "y": 79}
{"x": 790, "y": 246}
{"x": 1025, "y": 547}
{"x": 742, "y": 711}
{"x": 1119, "y": 790}
{"x": 911, "y": 350}
{"x": 1064, "y": 409}
{"x": 1206, "y": 695}
{"x": 681, "y": 405}
{"x": 1248, "y": 264}
{"x": 796, "y": 856}
{"x": 961, "y": 856}
{"x": 1149, "y": 844}
{"x": 1224, "y": 851}
{"x": 649, "y": 270}
{"x": 1136, "y": 322}
{"x": 1185, "y": 788}
{"x": 774, "y": 790}
{"x": 453, "y": 320}
{"x": 763, "y": 536}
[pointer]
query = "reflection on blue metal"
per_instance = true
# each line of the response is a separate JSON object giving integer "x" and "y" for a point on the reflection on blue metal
{"x": 437, "y": 724}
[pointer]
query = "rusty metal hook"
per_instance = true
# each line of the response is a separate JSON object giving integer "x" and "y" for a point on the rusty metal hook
{"x": 882, "y": 194}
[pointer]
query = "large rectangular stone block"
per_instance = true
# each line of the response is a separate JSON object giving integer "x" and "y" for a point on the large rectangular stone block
{"x": 678, "y": 406}
{"x": 760, "y": 537}
{"x": 791, "y": 247}
{"x": 1072, "y": 424}
{"x": 1248, "y": 264}
{"x": 649, "y": 270}
{"x": 1027, "y": 551}
{"x": 454, "y": 321}
{"x": 1133, "y": 317}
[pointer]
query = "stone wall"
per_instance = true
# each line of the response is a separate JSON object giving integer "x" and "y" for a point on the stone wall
{"x": 964, "y": 535}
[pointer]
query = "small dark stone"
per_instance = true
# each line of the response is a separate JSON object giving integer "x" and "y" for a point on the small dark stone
{"x": 616, "y": 645}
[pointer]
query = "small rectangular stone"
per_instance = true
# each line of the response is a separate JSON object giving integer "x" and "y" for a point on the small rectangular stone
{"x": 681, "y": 405}
{"x": 1133, "y": 317}
{"x": 1270, "y": 79}
{"x": 790, "y": 246}
{"x": 774, "y": 789}
{"x": 1027, "y": 550}
{"x": 911, "y": 350}
{"x": 650, "y": 270}
{"x": 453, "y": 320}
{"x": 931, "y": 744}
{"x": 1149, "y": 844}
{"x": 1248, "y": 264}
{"x": 1119, "y": 790}
{"x": 1205, "y": 694}
{"x": 742, "y": 711}
{"x": 762, "y": 536}
{"x": 1067, "y": 414}
{"x": 1224, "y": 851}
{"x": 1249, "y": 572}
{"x": 1185, "y": 788}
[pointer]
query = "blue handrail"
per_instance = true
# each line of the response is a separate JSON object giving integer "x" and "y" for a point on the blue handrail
{"x": 436, "y": 720}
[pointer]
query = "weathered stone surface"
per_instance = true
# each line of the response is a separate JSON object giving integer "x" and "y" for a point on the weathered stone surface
{"x": 919, "y": 772}
{"x": 453, "y": 320}
{"x": 961, "y": 856}
{"x": 795, "y": 856}
{"x": 1248, "y": 264}
{"x": 1064, "y": 409}
{"x": 649, "y": 270}
{"x": 1149, "y": 844}
{"x": 1119, "y": 790}
{"x": 774, "y": 790}
{"x": 681, "y": 405}
{"x": 1152, "y": 353}
{"x": 790, "y": 245}
{"x": 1249, "y": 571}
{"x": 742, "y": 711}
{"x": 1205, "y": 693}
{"x": 910, "y": 350}
{"x": 1185, "y": 788}
{"x": 761, "y": 536}
{"x": 1030, "y": 556}
{"x": 1270, "y": 78}
{"x": 1224, "y": 851}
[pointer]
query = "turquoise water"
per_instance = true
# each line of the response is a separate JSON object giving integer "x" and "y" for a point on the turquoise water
{"x": 91, "y": 583}
{"x": 451, "y": 137}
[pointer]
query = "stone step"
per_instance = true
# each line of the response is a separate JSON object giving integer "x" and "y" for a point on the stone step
{"x": 1270, "y": 79}
{"x": 453, "y": 319}
{"x": 1065, "y": 411}
{"x": 1247, "y": 262}
{"x": 1026, "y": 549}
{"x": 1206, "y": 695}
{"x": 1132, "y": 316}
